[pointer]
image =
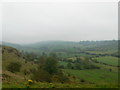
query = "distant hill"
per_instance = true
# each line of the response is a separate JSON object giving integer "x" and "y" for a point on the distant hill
{"x": 67, "y": 46}
{"x": 12, "y": 45}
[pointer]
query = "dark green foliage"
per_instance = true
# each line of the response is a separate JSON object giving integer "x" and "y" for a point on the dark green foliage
{"x": 78, "y": 66}
{"x": 14, "y": 67}
{"x": 51, "y": 65}
{"x": 29, "y": 56}
{"x": 41, "y": 61}
{"x": 41, "y": 75}
{"x": 60, "y": 77}
{"x": 110, "y": 70}
{"x": 82, "y": 80}
{"x": 61, "y": 66}
{"x": 49, "y": 70}
{"x": 69, "y": 65}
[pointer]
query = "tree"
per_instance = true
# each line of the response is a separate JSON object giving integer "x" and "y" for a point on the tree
{"x": 30, "y": 56}
{"x": 62, "y": 77}
{"x": 48, "y": 71}
{"x": 78, "y": 66}
{"x": 42, "y": 60}
{"x": 51, "y": 65}
{"x": 69, "y": 65}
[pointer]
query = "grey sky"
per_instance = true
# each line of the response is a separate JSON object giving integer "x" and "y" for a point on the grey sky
{"x": 33, "y": 22}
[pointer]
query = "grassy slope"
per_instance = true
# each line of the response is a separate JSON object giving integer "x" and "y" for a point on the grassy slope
{"x": 95, "y": 75}
{"x": 103, "y": 52}
{"x": 59, "y": 85}
{"x": 108, "y": 60}
{"x": 12, "y": 55}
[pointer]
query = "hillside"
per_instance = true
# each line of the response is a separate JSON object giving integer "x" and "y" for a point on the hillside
{"x": 82, "y": 45}
{"x": 10, "y": 56}
{"x": 68, "y": 48}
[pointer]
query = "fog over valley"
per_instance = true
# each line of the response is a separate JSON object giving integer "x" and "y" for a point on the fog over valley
{"x": 35, "y": 22}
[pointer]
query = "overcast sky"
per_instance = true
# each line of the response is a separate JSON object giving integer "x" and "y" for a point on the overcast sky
{"x": 34, "y": 22}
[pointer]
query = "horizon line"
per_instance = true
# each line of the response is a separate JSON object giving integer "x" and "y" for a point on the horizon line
{"x": 55, "y": 41}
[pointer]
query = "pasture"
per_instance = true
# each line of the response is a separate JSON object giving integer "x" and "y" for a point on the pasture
{"x": 108, "y": 60}
{"x": 94, "y": 76}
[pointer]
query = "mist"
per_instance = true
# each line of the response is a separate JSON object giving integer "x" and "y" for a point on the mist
{"x": 33, "y": 22}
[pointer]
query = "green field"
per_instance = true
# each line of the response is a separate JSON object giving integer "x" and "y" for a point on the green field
{"x": 108, "y": 60}
{"x": 95, "y": 76}
{"x": 103, "y": 52}
{"x": 63, "y": 63}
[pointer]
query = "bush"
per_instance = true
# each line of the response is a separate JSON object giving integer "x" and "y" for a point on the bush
{"x": 78, "y": 66}
{"x": 69, "y": 65}
{"x": 82, "y": 80}
{"x": 14, "y": 67}
{"x": 62, "y": 78}
{"x": 62, "y": 66}
{"x": 51, "y": 65}
{"x": 41, "y": 76}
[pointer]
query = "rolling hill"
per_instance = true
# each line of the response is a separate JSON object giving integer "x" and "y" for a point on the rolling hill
{"x": 68, "y": 47}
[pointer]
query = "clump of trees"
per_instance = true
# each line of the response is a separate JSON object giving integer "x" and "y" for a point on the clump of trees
{"x": 80, "y": 64}
{"x": 69, "y": 65}
{"x": 48, "y": 70}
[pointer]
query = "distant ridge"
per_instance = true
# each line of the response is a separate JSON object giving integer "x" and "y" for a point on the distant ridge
{"x": 12, "y": 45}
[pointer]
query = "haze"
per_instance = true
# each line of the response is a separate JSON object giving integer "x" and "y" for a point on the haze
{"x": 34, "y": 22}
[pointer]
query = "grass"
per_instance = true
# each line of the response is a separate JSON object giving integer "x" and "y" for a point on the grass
{"x": 59, "y": 85}
{"x": 95, "y": 75}
{"x": 108, "y": 60}
{"x": 63, "y": 63}
{"x": 97, "y": 78}
{"x": 107, "y": 67}
{"x": 103, "y": 52}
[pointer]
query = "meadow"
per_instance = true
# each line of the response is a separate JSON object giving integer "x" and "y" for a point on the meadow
{"x": 95, "y": 76}
{"x": 108, "y": 60}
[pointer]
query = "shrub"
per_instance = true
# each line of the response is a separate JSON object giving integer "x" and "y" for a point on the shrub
{"x": 110, "y": 69}
{"x": 55, "y": 78}
{"x": 51, "y": 65}
{"x": 82, "y": 80}
{"x": 62, "y": 66}
{"x": 78, "y": 66}
{"x": 69, "y": 65}
{"x": 62, "y": 78}
{"x": 14, "y": 67}
{"x": 41, "y": 76}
